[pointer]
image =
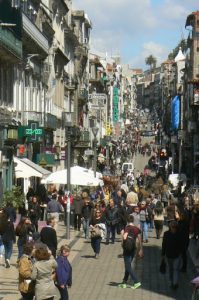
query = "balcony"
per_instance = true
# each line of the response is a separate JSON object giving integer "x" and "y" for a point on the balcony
{"x": 33, "y": 116}
{"x": 34, "y": 34}
{"x": 51, "y": 121}
{"x": 9, "y": 44}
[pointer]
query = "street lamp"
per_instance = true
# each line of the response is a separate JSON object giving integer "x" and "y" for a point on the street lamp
{"x": 95, "y": 131}
{"x": 67, "y": 120}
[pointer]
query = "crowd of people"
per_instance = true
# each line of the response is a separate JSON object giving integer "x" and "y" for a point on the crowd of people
{"x": 108, "y": 214}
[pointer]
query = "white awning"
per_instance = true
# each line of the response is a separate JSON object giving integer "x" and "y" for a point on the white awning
{"x": 25, "y": 168}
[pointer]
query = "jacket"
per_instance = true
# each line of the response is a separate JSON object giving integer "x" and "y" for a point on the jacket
{"x": 112, "y": 216}
{"x": 87, "y": 211}
{"x": 78, "y": 203}
{"x": 54, "y": 206}
{"x": 9, "y": 233}
{"x": 25, "y": 267}
{"x": 34, "y": 211}
{"x": 48, "y": 236}
{"x": 42, "y": 273}
{"x": 63, "y": 271}
{"x": 172, "y": 244}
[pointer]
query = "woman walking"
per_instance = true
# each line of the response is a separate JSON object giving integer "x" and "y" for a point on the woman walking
{"x": 158, "y": 218}
{"x": 8, "y": 238}
{"x": 97, "y": 225}
{"x": 42, "y": 273}
{"x": 144, "y": 221}
{"x": 112, "y": 220}
{"x": 25, "y": 232}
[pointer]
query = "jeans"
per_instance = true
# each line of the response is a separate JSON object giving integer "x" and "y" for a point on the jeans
{"x": 86, "y": 228}
{"x": 144, "y": 229}
{"x": 8, "y": 246}
{"x": 174, "y": 265}
{"x": 111, "y": 230}
{"x": 95, "y": 243}
{"x": 129, "y": 270}
{"x": 77, "y": 221}
{"x": 63, "y": 293}
{"x": 20, "y": 245}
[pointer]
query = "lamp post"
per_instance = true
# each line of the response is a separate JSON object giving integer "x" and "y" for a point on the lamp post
{"x": 68, "y": 125}
{"x": 95, "y": 131}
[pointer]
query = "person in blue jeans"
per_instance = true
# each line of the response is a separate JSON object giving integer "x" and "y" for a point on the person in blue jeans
{"x": 112, "y": 220}
{"x": 64, "y": 272}
{"x": 144, "y": 221}
{"x": 97, "y": 220}
{"x": 87, "y": 210}
{"x": 8, "y": 238}
{"x": 131, "y": 232}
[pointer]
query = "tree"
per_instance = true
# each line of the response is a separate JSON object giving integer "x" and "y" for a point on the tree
{"x": 182, "y": 44}
{"x": 151, "y": 61}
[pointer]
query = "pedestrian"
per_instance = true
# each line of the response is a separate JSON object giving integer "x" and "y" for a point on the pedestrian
{"x": 8, "y": 239}
{"x": 97, "y": 226}
{"x": 43, "y": 274}
{"x": 112, "y": 220}
{"x": 132, "y": 197}
{"x": 25, "y": 267}
{"x": 64, "y": 272}
{"x": 78, "y": 203}
{"x": 144, "y": 221}
{"x": 131, "y": 234}
{"x": 87, "y": 209}
{"x": 136, "y": 216}
{"x": 158, "y": 218}
{"x": 10, "y": 211}
{"x": 54, "y": 208}
{"x": 172, "y": 247}
{"x": 24, "y": 231}
{"x": 34, "y": 212}
{"x": 172, "y": 211}
{"x": 48, "y": 235}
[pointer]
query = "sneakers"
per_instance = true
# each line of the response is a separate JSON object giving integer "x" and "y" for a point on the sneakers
{"x": 7, "y": 263}
{"x": 136, "y": 285}
{"x": 122, "y": 285}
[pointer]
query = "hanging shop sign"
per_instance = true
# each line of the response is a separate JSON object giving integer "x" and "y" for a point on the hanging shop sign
{"x": 32, "y": 132}
{"x": 115, "y": 104}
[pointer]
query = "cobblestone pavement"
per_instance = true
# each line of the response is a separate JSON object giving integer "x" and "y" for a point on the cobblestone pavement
{"x": 97, "y": 279}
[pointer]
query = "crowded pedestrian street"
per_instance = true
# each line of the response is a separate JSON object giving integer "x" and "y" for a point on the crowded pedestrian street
{"x": 99, "y": 150}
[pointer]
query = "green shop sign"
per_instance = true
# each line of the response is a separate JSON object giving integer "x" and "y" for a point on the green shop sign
{"x": 115, "y": 104}
{"x": 32, "y": 132}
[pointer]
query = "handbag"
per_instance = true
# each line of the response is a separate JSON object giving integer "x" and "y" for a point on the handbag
{"x": 95, "y": 232}
{"x": 163, "y": 267}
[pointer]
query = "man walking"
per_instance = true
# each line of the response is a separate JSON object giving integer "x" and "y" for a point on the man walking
{"x": 48, "y": 235}
{"x": 54, "y": 208}
{"x": 131, "y": 233}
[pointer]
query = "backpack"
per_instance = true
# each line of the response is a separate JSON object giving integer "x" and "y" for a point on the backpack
{"x": 129, "y": 244}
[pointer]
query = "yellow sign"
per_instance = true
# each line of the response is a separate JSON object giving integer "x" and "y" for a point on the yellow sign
{"x": 43, "y": 162}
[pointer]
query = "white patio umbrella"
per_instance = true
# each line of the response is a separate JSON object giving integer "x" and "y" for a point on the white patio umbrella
{"x": 79, "y": 176}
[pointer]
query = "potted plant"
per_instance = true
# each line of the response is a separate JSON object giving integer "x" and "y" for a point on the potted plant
{"x": 15, "y": 197}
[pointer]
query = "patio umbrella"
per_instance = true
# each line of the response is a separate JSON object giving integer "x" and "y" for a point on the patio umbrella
{"x": 79, "y": 176}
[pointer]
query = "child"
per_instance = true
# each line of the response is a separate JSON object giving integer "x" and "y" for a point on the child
{"x": 64, "y": 272}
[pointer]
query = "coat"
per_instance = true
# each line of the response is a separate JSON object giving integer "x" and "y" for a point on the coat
{"x": 48, "y": 236}
{"x": 63, "y": 271}
{"x": 42, "y": 273}
{"x": 25, "y": 267}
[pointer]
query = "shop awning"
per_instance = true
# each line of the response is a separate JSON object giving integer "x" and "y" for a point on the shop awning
{"x": 25, "y": 168}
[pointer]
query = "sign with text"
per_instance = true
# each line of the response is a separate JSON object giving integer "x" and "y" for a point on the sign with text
{"x": 32, "y": 132}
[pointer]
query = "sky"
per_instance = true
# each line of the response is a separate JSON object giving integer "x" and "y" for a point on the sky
{"x": 137, "y": 28}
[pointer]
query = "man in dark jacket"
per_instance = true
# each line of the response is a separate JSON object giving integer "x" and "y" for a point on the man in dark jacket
{"x": 78, "y": 203}
{"x": 87, "y": 209}
{"x": 48, "y": 235}
{"x": 172, "y": 247}
{"x": 112, "y": 220}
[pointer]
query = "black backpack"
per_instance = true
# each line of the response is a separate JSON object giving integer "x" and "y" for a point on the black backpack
{"x": 129, "y": 244}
